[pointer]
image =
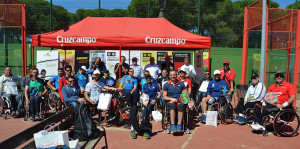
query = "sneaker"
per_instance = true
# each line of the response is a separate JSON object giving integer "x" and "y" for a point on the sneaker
{"x": 31, "y": 117}
{"x": 37, "y": 117}
{"x": 147, "y": 136}
{"x": 12, "y": 113}
{"x": 255, "y": 126}
{"x": 179, "y": 128}
{"x": 132, "y": 135}
{"x": 204, "y": 118}
{"x": 242, "y": 120}
{"x": 237, "y": 119}
{"x": 173, "y": 128}
{"x": 17, "y": 113}
{"x": 260, "y": 127}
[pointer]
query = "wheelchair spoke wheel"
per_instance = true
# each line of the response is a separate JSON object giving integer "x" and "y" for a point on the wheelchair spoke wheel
{"x": 58, "y": 106}
{"x": 225, "y": 112}
{"x": 53, "y": 97}
{"x": 286, "y": 123}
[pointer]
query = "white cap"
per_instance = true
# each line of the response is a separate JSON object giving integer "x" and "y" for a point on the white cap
{"x": 83, "y": 68}
{"x": 96, "y": 72}
{"x": 217, "y": 72}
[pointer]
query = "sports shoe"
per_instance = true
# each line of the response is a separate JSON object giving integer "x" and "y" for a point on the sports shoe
{"x": 31, "y": 117}
{"x": 173, "y": 128}
{"x": 242, "y": 120}
{"x": 255, "y": 126}
{"x": 204, "y": 118}
{"x": 17, "y": 113}
{"x": 132, "y": 135}
{"x": 37, "y": 117}
{"x": 179, "y": 128}
{"x": 12, "y": 113}
{"x": 260, "y": 127}
{"x": 237, "y": 119}
{"x": 147, "y": 136}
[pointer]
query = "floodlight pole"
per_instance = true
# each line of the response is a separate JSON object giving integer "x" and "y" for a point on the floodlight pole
{"x": 99, "y": 7}
{"x": 296, "y": 4}
{"x": 148, "y": 8}
{"x": 198, "y": 17}
{"x": 263, "y": 41}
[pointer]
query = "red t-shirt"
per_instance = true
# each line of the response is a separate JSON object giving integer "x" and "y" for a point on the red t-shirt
{"x": 62, "y": 82}
{"x": 187, "y": 82}
{"x": 283, "y": 91}
{"x": 229, "y": 75}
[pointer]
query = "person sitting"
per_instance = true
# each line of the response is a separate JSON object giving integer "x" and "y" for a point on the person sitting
{"x": 71, "y": 93}
{"x": 203, "y": 84}
{"x": 171, "y": 93}
{"x": 9, "y": 90}
{"x": 286, "y": 93}
{"x": 255, "y": 94}
{"x": 35, "y": 89}
{"x": 123, "y": 66}
{"x": 82, "y": 77}
{"x": 64, "y": 79}
{"x": 163, "y": 78}
{"x": 138, "y": 70}
{"x": 153, "y": 91}
{"x": 168, "y": 65}
{"x": 25, "y": 79}
{"x": 153, "y": 68}
{"x": 94, "y": 88}
{"x": 188, "y": 68}
{"x": 55, "y": 79}
{"x": 97, "y": 65}
{"x": 107, "y": 77}
{"x": 213, "y": 92}
{"x": 186, "y": 81}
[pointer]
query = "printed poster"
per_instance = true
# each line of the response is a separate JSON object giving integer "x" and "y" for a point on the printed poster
{"x": 47, "y": 60}
{"x": 82, "y": 59}
{"x": 70, "y": 58}
{"x": 145, "y": 56}
{"x": 162, "y": 55}
{"x": 179, "y": 59}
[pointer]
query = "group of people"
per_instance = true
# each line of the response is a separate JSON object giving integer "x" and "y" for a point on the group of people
{"x": 161, "y": 83}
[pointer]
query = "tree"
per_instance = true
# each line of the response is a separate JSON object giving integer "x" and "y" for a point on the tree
{"x": 139, "y": 8}
{"x": 162, "y": 8}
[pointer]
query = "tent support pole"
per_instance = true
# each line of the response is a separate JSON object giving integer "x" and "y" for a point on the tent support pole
{"x": 65, "y": 58}
{"x": 129, "y": 57}
{"x": 209, "y": 59}
{"x": 120, "y": 68}
{"x": 32, "y": 53}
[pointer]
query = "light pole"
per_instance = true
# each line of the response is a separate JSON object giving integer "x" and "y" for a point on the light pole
{"x": 263, "y": 41}
{"x": 99, "y": 7}
{"x": 198, "y": 17}
{"x": 148, "y": 8}
{"x": 50, "y": 15}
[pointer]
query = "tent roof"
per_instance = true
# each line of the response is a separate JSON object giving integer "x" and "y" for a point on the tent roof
{"x": 129, "y": 33}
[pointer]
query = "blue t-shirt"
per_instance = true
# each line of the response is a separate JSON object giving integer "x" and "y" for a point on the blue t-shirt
{"x": 174, "y": 90}
{"x": 143, "y": 82}
{"x": 151, "y": 90}
{"x": 55, "y": 79}
{"x": 214, "y": 86}
{"x": 82, "y": 79}
{"x": 131, "y": 83}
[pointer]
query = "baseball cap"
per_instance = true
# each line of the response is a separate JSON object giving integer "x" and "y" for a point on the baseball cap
{"x": 167, "y": 57}
{"x": 96, "y": 72}
{"x": 148, "y": 75}
{"x": 180, "y": 71}
{"x": 217, "y": 72}
{"x": 83, "y": 68}
{"x": 226, "y": 62}
{"x": 279, "y": 74}
{"x": 134, "y": 59}
{"x": 106, "y": 71}
{"x": 254, "y": 75}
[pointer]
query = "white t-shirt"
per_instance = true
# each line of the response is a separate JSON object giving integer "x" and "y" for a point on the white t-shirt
{"x": 94, "y": 89}
{"x": 154, "y": 70}
{"x": 189, "y": 69}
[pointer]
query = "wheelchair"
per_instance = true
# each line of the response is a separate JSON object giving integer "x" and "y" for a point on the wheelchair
{"x": 285, "y": 122}
{"x": 5, "y": 105}
{"x": 44, "y": 108}
{"x": 166, "y": 121}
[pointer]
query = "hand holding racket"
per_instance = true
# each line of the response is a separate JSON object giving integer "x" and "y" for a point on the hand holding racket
{"x": 121, "y": 84}
{"x": 271, "y": 98}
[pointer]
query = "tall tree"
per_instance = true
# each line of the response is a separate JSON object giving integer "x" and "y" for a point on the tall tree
{"x": 162, "y": 8}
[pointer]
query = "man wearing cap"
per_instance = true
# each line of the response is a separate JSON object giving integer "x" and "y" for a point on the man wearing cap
{"x": 186, "y": 81}
{"x": 94, "y": 88}
{"x": 255, "y": 95}
{"x": 107, "y": 77}
{"x": 138, "y": 70}
{"x": 153, "y": 68}
{"x": 124, "y": 68}
{"x": 171, "y": 94}
{"x": 55, "y": 79}
{"x": 213, "y": 92}
{"x": 228, "y": 75}
{"x": 82, "y": 77}
{"x": 188, "y": 68}
{"x": 167, "y": 64}
{"x": 286, "y": 93}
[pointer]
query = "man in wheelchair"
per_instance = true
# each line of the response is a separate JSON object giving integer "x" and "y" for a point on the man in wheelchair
{"x": 71, "y": 93}
{"x": 171, "y": 92}
{"x": 286, "y": 94}
{"x": 213, "y": 93}
{"x": 8, "y": 90}
{"x": 255, "y": 94}
{"x": 35, "y": 89}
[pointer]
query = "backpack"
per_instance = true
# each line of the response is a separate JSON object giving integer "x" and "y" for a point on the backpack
{"x": 84, "y": 127}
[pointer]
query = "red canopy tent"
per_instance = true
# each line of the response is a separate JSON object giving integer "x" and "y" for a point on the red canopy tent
{"x": 122, "y": 33}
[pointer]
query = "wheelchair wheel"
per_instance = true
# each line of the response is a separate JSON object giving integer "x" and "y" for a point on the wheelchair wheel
{"x": 52, "y": 98}
{"x": 225, "y": 112}
{"x": 58, "y": 106}
{"x": 163, "y": 117}
{"x": 286, "y": 123}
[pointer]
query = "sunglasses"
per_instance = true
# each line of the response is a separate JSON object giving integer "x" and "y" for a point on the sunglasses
{"x": 71, "y": 81}
{"x": 148, "y": 78}
{"x": 134, "y": 61}
{"x": 281, "y": 76}
{"x": 207, "y": 74}
{"x": 68, "y": 70}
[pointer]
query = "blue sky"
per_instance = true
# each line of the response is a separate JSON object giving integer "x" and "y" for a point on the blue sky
{"x": 73, "y": 5}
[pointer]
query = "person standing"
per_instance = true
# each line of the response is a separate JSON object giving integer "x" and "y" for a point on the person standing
{"x": 124, "y": 68}
{"x": 138, "y": 70}
{"x": 168, "y": 65}
{"x": 188, "y": 68}
{"x": 153, "y": 68}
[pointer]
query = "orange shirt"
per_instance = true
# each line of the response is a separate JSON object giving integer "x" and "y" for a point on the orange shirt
{"x": 187, "y": 82}
{"x": 283, "y": 91}
{"x": 229, "y": 75}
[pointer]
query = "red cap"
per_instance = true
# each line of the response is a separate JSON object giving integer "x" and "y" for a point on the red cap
{"x": 226, "y": 62}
